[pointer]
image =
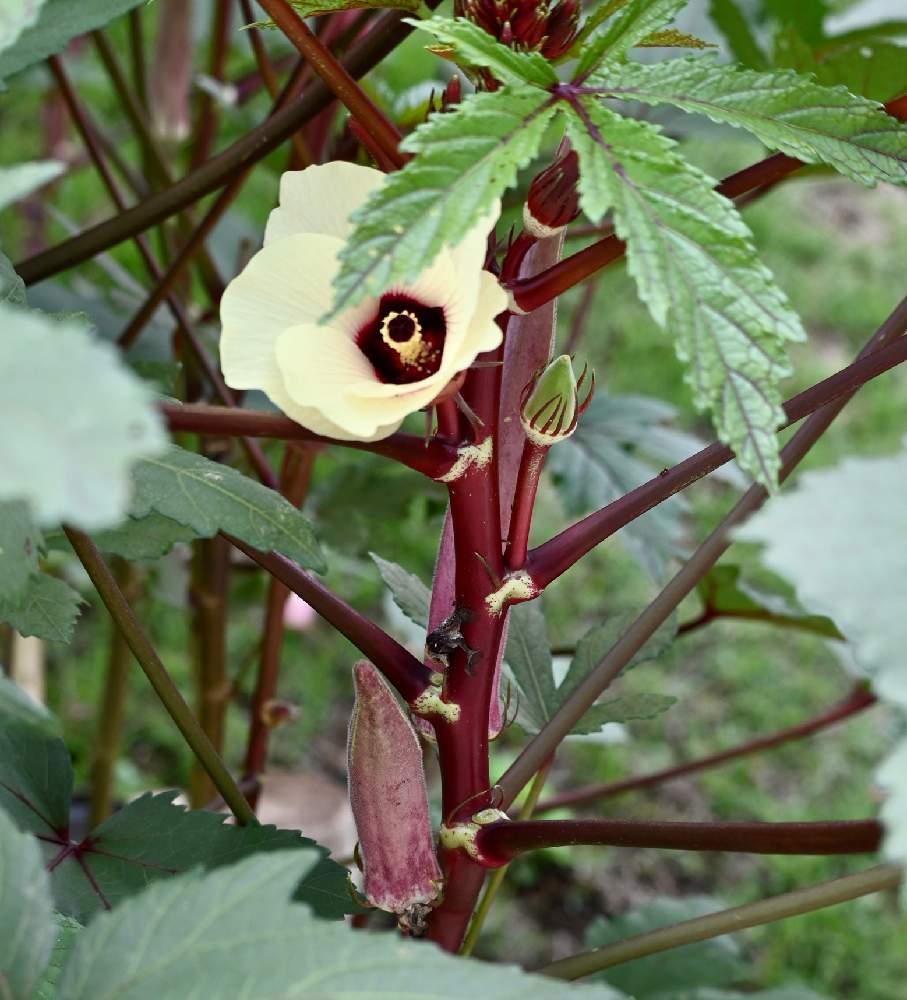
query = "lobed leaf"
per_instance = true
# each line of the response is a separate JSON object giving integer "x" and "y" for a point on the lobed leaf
{"x": 20, "y": 542}
{"x": 695, "y": 268}
{"x": 207, "y": 497}
{"x": 58, "y": 23}
{"x": 27, "y": 928}
{"x": 476, "y": 47}
{"x": 76, "y": 420}
{"x": 17, "y": 706}
{"x": 148, "y": 537}
{"x": 410, "y": 594}
{"x": 634, "y": 21}
{"x": 464, "y": 160}
{"x": 786, "y": 111}
{"x": 253, "y": 942}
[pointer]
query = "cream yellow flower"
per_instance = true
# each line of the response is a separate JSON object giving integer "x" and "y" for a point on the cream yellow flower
{"x": 359, "y": 375}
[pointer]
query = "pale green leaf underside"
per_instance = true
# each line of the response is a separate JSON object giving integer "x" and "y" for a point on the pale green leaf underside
{"x": 75, "y": 419}
{"x": 67, "y": 932}
{"x": 58, "y": 23}
{"x": 786, "y": 111}
{"x": 208, "y": 497}
{"x": 22, "y": 179}
{"x": 253, "y": 942}
{"x": 696, "y": 269}
{"x": 410, "y": 594}
{"x": 27, "y": 928}
{"x": 17, "y": 706}
{"x": 841, "y": 539}
{"x": 477, "y": 48}
{"x": 464, "y": 160}
{"x": 631, "y": 24}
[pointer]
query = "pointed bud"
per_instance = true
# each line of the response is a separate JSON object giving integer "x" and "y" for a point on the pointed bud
{"x": 549, "y": 407}
{"x": 390, "y": 802}
{"x": 561, "y": 29}
{"x": 553, "y": 201}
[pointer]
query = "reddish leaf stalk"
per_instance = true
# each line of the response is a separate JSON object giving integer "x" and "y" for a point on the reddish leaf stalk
{"x": 527, "y": 485}
{"x": 341, "y": 83}
{"x": 433, "y": 459}
{"x": 295, "y": 478}
{"x": 859, "y": 699}
{"x": 499, "y": 843}
{"x": 401, "y": 668}
{"x": 554, "y": 557}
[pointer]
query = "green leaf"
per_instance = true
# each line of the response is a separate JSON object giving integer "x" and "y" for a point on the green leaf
{"x": 58, "y": 23}
{"x": 697, "y": 271}
{"x": 724, "y": 593}
{"x": 634, "y": 21}
{"x": 876, "y": 70}
{"x": 806, "y": 16}
{"x": 67, "y": 932}
{"x": 715, "y": 962}
{"x": 253, "y": 942}
{"x": 76, "y": 419}
{"x": 784, "y": 110}
{"x": 838, "y": 538}
{"x": 729, "y": 20}
{"x": 24, "y": 178}
{"x": 15, "y": 17}
{"x": 149, "y": 839}
{"x": 620, "y": 443}
{"x": 313, "y": 8}
{"x": 464, "y": 160}
{"x": 20, "y": 542}
{"x": 27, "y": 927}
{"x": 529, "y": 659}
{"x": 148, "y": 537}
{"x": 476, "y": 47}
{"x": 410, "y": 594}
{"x": 46, "y": 608}
{"x": 207, "y": 497}
{"x": 17, "y": 706}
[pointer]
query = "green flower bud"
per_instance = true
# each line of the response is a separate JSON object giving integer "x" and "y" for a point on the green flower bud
{"x": 549, "y": 408}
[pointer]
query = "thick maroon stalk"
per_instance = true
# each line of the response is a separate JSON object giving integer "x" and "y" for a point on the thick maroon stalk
{"x": 433, "y": 459}
{"x": 499, "y": 843}
{"x": 858, "y": 700}
{"x": 554, "y": 557}
{"x": 401, "y": 668}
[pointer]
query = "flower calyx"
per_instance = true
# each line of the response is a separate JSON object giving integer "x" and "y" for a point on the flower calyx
{"x": 553, "y": 200}
{"x": 529, "y": 25}
{"x": 464, "y": 836}
{"x": 550, "y": 406}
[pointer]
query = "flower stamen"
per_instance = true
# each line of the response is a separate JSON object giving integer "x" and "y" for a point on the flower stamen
{"x": 402, "y": 332}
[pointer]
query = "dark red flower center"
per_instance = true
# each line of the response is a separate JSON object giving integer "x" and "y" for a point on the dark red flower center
{"x": 405, "y": 340}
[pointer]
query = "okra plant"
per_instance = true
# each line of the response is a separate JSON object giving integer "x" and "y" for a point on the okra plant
{"x": 166, "y": 408}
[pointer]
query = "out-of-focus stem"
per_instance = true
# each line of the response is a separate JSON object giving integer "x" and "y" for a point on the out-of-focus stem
{"x": 295, "y": 478}
{"x": 106, "y": 748}
{"x": 859, "y": 699}
{"x": 210, "y": 592}
{"x": 790, "y": 904}
{"x": 206, "y": 123}
{"x": 126, "y": 621}
{"x": 137, "y": 57}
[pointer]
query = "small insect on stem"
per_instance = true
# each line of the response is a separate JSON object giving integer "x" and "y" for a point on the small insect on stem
{"x": 447, "y": 637}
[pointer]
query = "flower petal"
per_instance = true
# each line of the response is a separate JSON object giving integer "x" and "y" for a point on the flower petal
{"x": 282, "y": 285}
{"x": 319, "y": 365}
{"x": 320, "y": 199}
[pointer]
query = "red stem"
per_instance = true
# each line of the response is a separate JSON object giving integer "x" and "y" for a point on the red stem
{"x": 859, "y": 699}
{"x": 341, "y": 83}
{"x": 554, "y": 557}
{"x": 401, "y": 668}
{"x": 433, "y": 459}
{"x": 527, "y": 484}
{"x": 499, "y": 843}
{"x": 206, "y": 126}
